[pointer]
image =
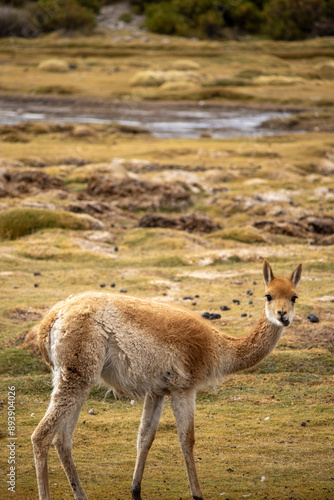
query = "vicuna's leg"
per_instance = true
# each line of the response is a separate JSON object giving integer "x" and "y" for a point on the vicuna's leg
{"x": 183, "y": 404}
{"x": 153, "y": 406}
{"x": 58, "y": 424}
{"x": 63, "y": 445}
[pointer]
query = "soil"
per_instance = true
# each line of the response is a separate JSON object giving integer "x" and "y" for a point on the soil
{"x": 318, "y": 229}
{"x": 17, "y": 183}
{"x": 134, "y": 194}
{"x": 192, "y": 223}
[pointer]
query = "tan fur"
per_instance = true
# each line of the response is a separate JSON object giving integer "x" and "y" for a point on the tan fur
{"x": 148, "y": 349}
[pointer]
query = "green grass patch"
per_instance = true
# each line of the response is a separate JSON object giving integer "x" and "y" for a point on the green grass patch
{"x": 245, "y": 235}
{"x": 18, "y": 361}
{"x": 18, "y": 222}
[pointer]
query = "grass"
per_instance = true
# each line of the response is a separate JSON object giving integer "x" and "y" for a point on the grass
{"x": 44, "y": 258}
{"x": 105, "y": 68}
{"x": 18, "y": 222}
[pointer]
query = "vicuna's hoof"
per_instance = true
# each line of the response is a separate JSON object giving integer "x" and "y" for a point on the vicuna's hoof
{"x": 135, "y": 493}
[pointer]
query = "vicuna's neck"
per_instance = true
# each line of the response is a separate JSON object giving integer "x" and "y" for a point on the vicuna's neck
{"x": 250, "y": 350}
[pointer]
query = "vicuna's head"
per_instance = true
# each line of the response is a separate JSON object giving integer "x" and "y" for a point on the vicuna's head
{"x": 280, "y": 295}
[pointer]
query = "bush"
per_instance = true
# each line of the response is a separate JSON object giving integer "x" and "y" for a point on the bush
{"x": 15, "y": 22}
{"x": 185, "y": 18}
{"x": 163, "y": 18}
{"x": 18, "y": 222}
{"x": 247, "y": 17}
{"x": 67, "y": 15}
{"x": 292, "y": 19}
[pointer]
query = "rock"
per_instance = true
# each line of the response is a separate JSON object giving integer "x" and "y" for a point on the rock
{"x": 91, "y": 411}
{"x": 313, "y": 318}
{"x": 236, "y": 301}
{"x": 303, "y": 424}
{"x": 326, "y": 298}
{"x": 224, "y": 308}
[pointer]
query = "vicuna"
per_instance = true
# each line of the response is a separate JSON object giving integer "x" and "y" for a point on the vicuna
{"x": 147, "y": 349}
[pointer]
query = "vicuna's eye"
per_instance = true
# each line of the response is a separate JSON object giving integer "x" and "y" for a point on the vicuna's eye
{"x": 269, "y": 297}
{"x": 294, "y": 298}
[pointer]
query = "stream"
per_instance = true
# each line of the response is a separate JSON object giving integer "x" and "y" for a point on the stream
{"x": 176, "y": 120}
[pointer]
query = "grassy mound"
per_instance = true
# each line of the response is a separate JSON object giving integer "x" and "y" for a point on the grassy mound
{"x": 151, "y": 78}
{"x": 18, "y": 222}
{"x": 54, "y": 65}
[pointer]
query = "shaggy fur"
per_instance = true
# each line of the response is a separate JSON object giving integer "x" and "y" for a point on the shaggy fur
{"x": 142, "y": 348}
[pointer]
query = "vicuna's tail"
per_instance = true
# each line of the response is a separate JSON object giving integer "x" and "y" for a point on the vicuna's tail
{"x": 44, "y": 332}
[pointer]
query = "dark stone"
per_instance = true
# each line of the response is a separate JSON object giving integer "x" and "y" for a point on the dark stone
{"x": 224, "y": 308}
{"x": 313, "y": 318}
{"x": 211, "y": 316}
{"x": 236, "y": 301}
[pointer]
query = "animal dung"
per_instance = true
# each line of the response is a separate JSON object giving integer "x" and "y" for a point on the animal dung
{"x": 313, "y": 318}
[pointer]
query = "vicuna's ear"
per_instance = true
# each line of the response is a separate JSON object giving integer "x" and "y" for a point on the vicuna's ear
{"x": 267, "y": 273}
{"x": 295, "y": 276}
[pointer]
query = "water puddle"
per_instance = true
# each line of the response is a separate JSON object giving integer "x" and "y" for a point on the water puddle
{"x": 172, "y": 121}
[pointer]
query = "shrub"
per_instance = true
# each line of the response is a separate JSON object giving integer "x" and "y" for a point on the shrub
{"x": 17, "y": 222}
{"x": 15, "y": 22}
{"x": 126, "y": 17}
{"x": 185, "y": 18}
{"x": 54, "y": 65}
{"x": 163, "y": 18}
{"x": 247, "y": 17}
{"x": 67, "y": 15}
{"x": 292, "y": 19}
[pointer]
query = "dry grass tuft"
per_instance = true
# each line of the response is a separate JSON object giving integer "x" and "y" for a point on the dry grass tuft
{"x": 185, "y": 65}
{"x": 278, "y": 80}
{"x": 54, "y": 66}
{"x": 151, "y": 78}
{"x": 181, "y": 85}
